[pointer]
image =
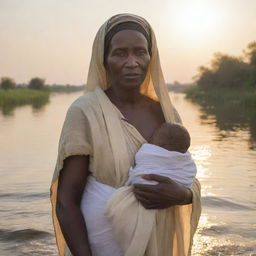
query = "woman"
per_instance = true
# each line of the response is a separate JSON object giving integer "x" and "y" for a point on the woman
{"x": 125, "y": 101}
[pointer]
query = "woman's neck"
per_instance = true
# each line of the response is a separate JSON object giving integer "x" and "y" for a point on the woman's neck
{"x": 121, "y": 97}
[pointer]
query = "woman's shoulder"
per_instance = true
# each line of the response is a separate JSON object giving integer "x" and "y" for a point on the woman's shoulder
{"x": 85, "y": 102}
{"x": 85, "y": 106}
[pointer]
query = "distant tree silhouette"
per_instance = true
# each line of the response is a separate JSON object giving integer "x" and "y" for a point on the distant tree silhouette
{"x": 228, "y": 71}
{"x": 250, "y": 53}
{"x": 36, "y": 83}
{"x": 7, "y": 83}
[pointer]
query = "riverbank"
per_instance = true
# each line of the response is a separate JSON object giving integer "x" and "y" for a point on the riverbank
{"x": 9, "y": 99}
{"x": 233, "y": 109}
{"x": 243, "y": 97}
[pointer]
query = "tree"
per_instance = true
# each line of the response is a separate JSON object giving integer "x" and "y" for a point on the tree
{"x": 250, "y": 53}
{"x": 225, "y": 72}
{"x": 7, "y": 83}
{"x": 205, "y": 77}
{"x": 36, "y": 83}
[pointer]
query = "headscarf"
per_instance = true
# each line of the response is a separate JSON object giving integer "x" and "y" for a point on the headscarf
{"x": 153, "y": 86}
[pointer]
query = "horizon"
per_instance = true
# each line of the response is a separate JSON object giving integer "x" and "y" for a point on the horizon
{"x": 55, "y": 38}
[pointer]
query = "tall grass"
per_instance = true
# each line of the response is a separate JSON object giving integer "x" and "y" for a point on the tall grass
{"x": 22, "y": 97}
{"x": 9, "y": 99}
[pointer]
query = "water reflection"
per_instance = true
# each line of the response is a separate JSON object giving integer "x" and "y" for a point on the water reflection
{"x": 37, "y": 105}
{"x": 230, "y": 116}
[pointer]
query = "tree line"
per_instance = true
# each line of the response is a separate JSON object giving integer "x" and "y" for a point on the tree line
{"x": 228, "y": 71}
{"x": 35, "y": 83}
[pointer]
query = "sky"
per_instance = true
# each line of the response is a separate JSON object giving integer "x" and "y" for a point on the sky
{"x": 52, "y": 39}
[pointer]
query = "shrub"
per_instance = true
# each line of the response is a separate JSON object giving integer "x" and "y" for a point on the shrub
{"x": 36, "y": 84}
{"x": 7, "y": 83}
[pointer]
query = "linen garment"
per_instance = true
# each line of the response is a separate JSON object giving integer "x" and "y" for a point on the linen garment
{"x": 95, "y": 127}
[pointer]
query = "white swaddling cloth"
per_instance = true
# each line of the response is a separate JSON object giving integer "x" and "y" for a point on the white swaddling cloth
{"x": 152, "y": 159}
{"x": 93, "y": 204}
{"x": 104, "y": 208}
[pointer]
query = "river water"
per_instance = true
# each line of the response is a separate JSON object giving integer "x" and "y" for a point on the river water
{"x": 28, "y": 148}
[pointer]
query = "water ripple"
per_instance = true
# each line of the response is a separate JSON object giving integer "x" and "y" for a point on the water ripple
{"x": 219, "y": 230}
{"x": 22, "y": 235}
{"x": 215, "y": 202}
{"x": 24, "y": 195}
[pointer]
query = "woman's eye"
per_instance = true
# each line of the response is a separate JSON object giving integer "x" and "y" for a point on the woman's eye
{"x": 120, "y": 54}
{"x": 141, "y": 52}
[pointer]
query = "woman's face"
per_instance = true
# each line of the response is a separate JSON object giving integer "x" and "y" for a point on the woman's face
{"x": 128, "y": 59}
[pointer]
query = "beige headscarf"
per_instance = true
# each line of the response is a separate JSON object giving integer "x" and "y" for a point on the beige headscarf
{"x": 182, "y": 219}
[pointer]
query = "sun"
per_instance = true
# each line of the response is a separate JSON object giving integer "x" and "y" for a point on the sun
{"x": 194, "y": 19}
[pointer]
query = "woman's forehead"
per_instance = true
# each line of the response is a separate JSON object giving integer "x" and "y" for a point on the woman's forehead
{"x": 127, "y": 37}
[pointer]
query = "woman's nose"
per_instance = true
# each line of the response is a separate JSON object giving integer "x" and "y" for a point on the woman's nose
{"x": 131, "y": 61}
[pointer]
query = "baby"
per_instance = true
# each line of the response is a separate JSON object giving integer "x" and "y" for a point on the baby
{"x": 165, "y": 155}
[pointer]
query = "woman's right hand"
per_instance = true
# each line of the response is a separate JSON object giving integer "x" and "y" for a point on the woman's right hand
{"x": 163, "y": 195}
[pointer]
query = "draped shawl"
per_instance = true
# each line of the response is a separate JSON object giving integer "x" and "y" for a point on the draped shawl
{"x": 95, "y": 127}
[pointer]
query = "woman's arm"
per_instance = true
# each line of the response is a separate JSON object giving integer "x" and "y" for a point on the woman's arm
{"x": 71, "y": 185}
{"x": 163, "y": 195}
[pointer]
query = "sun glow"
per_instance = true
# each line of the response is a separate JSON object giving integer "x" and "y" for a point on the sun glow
{"x": 194, "y": 20}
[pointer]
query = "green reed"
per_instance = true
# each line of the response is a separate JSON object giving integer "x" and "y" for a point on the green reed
{"x": 9, "y": 99}
{"x": 245, "y": 98}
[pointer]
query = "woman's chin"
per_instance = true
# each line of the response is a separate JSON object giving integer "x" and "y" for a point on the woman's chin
{"x": 132, "y": 84}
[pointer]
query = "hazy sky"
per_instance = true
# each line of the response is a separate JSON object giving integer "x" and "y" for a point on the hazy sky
{"x": 52, "y": 39}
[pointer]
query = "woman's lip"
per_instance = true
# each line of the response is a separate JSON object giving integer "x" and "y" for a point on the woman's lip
{"x": 132, "y": 75}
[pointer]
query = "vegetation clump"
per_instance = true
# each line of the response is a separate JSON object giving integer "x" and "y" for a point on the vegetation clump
{"x": 229, "y": 71}
{"x": 229, "y": 80}
{"x": 7, "y": 83}
{"x": 12, "y": 96}
{"x": 35, "y": 93}
{"x": 36, "y": 83}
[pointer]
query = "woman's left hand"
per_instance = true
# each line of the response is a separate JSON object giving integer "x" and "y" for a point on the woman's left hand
{"x": 163, "y": 195}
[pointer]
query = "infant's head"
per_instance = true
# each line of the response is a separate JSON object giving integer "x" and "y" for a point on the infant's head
{"x": 173, "y": 137}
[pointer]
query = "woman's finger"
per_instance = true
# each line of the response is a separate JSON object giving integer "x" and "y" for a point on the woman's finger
{"x": 145, "y": 194}
{"x": 142, "y": 199}
{"x": 151, "y": 203}
{"x": 147, "y": 204}
{"x": 156, "y": 177}
{"x": 145, "y": 187}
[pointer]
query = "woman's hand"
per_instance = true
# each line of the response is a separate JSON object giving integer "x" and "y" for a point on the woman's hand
{"x": 163, "y": 195}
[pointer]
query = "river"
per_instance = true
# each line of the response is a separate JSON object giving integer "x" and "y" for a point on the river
{"x": 28, "y": 147}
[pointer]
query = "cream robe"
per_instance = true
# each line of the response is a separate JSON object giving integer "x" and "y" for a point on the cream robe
{"x": 89, "y": 121}
{"x": 94, "y": 127}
